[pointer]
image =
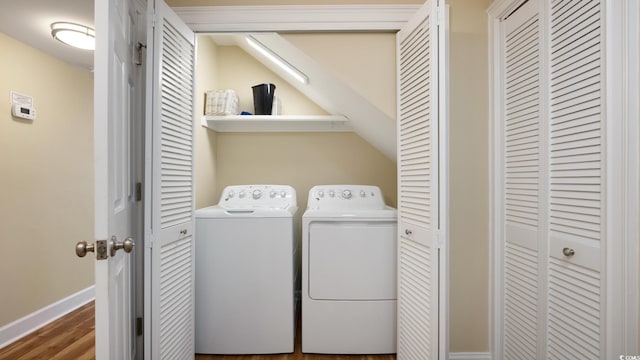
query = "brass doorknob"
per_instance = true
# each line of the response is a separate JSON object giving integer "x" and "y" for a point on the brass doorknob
{"x": 126, "y": 245}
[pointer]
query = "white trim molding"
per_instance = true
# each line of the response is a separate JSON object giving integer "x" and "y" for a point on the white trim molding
{"x": 622, "y": 178}
{"x": 496, "y": 12}
{"x": 470, "y": 356}
{"x": 296, "y": 18}
{"x": 630, "y": 18}
{"x": 32, "y": 322}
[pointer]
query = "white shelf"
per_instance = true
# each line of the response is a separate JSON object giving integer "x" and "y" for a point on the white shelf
{"x": 277, "y": 123}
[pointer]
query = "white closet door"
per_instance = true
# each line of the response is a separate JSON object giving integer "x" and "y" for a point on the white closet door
{"x": 171, "y": 219}
{"x": 418, "y": 221}
{"x": 522, "y": 190}
{"x": 582, "y": 303}
{"x": 575, "y": 306}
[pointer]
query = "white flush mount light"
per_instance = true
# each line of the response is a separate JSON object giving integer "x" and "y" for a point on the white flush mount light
{"x": 290, "y": 69}
{"x": 76, "y": 35}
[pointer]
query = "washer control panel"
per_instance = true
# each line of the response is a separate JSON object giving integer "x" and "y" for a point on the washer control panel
{"x": 258, "y": 197}
{"x": 339, "y": 197}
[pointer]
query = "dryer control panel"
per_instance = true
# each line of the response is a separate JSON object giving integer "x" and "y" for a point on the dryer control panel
{"x": 258, "y": 197}
{"x": 345, "y": 197}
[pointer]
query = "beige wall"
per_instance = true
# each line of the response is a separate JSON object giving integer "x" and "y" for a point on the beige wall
{"x": 303, "y": 160}
{"x": 297, "y": 159}
{"x": 205, "y": 140}
{"x": 469, "y": 251}
{"x": 370, "y": 72}
{"x": 46, "y": 185}
{"x": 239, "y": 71}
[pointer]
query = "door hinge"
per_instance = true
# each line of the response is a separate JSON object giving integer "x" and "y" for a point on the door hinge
{"x": 439, "y": 240}
{"x": 139, "y": 53}
{"x": 139, "y": 191}
{"x": 441, "y": 15}
{"x": 139, "y": 327}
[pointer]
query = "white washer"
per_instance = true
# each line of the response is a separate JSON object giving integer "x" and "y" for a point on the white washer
{"x": 348, "y": 271}
{"x": 246, "y": 271}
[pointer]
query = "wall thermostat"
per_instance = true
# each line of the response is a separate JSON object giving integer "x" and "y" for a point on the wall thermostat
{"x": 23, "y": 111}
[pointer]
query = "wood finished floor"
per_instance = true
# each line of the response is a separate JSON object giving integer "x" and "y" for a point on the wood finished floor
{"x": 72, "y": 337}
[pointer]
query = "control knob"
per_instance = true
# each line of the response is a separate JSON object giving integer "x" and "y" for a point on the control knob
{"x": 346, "y": 194}
{"x": 332, "y": 193}
{"x": 241, "y": 194}
{"x": 272, "y": 193}
{"x": 257, "y": 194}
{"x": 362, "y": 193}
{"x": 283, "y": 194}
{"x": 231, "y": 194}
{"x": 321, "y": 193}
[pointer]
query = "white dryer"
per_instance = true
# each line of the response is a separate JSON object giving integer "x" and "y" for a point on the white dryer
{"x": 348, "y": 271}
{"x": 246, "y": 269}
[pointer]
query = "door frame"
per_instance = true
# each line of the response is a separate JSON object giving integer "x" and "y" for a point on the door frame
{"x": 346, "y": 18}
{"x": 308, "y": 18}
{"x": 623, "y": 164}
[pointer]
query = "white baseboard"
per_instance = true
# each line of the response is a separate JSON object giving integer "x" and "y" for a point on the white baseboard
{"x": 28, "y": 324}
{"x": 470, "y": 356}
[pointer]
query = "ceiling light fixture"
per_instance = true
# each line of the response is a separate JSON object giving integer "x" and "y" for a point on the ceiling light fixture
{"x": 290, "y": 69}
{"x": 76, "y": 35}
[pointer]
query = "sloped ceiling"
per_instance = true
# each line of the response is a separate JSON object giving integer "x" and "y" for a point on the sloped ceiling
{"x": 337, "y": 98}
{"x": 324, "y": 89}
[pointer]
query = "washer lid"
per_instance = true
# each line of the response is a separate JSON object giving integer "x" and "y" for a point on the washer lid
{"x": 217, "y": 212}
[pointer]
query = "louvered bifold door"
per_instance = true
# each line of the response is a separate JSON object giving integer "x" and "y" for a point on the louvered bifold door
{"x": 576, "y": 234}
{"x": 172, "y": 189}
{"x": 522, "y": 186}
{"x": 417, "y": 48}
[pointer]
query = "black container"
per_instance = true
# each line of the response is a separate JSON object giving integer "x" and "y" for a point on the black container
{"x": 263, "y": 98}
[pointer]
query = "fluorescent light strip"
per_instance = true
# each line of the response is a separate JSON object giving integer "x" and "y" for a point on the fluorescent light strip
{"x": 297, "y": 74}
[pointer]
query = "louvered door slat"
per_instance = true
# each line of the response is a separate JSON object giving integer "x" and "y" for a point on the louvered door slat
{"x": 176, "y": 132}
{"x": 177, "y": 306}
{"x": 521, "y": 291}
{"x": 417, "y": 187}
{"x": 576, "y": 172}
{"x": 172, "y": 192}
{"x": 521, "y": 158}
{"x": 416, "y": 332}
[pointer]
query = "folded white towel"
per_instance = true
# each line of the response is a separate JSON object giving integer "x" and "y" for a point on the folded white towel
{"x": 221, "y": 102}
